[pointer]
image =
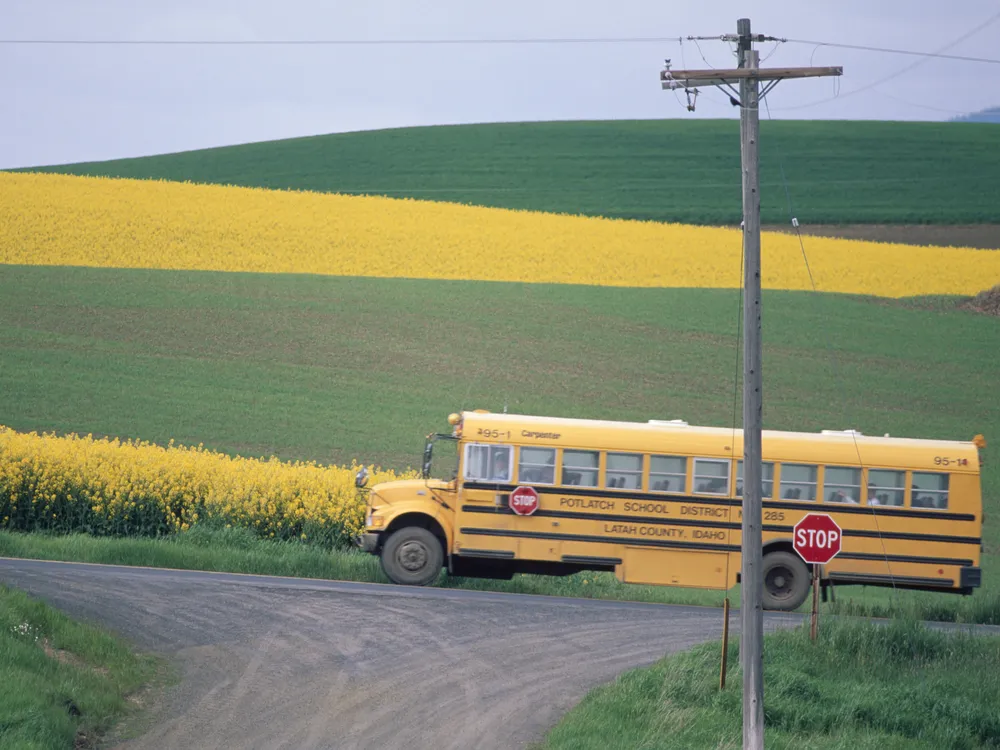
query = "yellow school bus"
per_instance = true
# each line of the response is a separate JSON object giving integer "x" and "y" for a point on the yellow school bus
{"x": 661, "y": 503}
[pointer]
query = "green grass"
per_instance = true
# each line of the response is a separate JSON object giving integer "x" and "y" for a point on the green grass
{"x": 62, "y": 683}
{"x": 330, "y": 369}
{"x": 664, "y": 170}
{"x": 860, "y": 686}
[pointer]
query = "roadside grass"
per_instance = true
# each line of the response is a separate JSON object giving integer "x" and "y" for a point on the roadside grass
{"x": 860, "y": 686}
{"x": 237, "y": 550}
{"x": 662, "y": 170}
{"x": 63, "y": 683}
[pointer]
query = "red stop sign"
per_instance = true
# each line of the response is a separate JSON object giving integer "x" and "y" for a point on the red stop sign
{"x": 523, "y": 501}
{"x": 817, "y": 538}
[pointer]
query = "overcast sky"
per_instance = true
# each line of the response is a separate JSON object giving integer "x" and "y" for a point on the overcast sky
{"x": 74, "y": 103}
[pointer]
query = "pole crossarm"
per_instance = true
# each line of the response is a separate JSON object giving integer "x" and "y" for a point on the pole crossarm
{"x": 687, "y": 79}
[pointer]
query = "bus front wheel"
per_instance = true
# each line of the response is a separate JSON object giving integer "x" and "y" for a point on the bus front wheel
{"x": 412, "y": 556}
{"x": 786, "y": 581}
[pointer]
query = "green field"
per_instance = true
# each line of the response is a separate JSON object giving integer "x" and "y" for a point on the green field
{"x": 64, "y": 684}
{"x": 860, "y": 686}
{"x": 331, "y": 369}
{"x": 664, "y": 170}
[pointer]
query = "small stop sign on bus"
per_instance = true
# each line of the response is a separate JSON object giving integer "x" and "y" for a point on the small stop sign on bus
{"x": 817, "y": 538}
{"x": 523, "y": 501}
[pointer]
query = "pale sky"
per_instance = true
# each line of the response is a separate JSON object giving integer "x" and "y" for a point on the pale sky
{"x": 78, "y": 103}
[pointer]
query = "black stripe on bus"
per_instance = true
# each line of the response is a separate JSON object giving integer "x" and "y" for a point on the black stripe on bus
{"x": 902, "y": 559}
{"x": 885, "y": 510}
{"x": 884, "y": 580}
{"x": 619, "y": 518}
{"x": 512, "y": 534}
{"x": 491, "y": 553}
{"x": 914, "y": 537}
{"x": 588, "y": 560}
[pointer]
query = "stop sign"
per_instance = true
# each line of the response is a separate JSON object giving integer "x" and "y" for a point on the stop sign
{"x": 817, "y": 538}
{"x": 523, "y": 501}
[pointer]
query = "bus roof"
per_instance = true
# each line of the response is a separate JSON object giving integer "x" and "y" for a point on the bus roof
{"x": 828, "y": 447}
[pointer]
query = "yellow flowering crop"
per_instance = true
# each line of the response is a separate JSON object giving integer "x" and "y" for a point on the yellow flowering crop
{"x": 65, "y": 220}
{"x": 135, "y": 488}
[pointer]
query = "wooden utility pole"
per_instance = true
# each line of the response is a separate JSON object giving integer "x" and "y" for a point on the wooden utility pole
{"x": 748, "y": 76}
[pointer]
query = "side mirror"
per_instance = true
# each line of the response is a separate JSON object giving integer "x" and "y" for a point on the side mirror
{"x": 361, "y": 478}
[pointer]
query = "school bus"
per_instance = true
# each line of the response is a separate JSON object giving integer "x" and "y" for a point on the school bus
{"x": 661, "y": 503}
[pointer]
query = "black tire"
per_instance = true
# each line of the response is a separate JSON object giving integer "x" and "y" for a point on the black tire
{"x": 412, "y": 556}
{"x": 786, "y": 581}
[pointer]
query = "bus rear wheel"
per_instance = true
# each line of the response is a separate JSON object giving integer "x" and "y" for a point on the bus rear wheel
{"x": 412, "y": 556}
{"x": 786, "y": 581}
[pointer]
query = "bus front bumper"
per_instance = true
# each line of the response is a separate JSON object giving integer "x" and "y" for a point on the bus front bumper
{"x": 367, "y": 542}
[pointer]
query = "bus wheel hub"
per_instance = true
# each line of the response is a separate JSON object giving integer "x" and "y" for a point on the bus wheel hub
{"x": 412, "y": 556}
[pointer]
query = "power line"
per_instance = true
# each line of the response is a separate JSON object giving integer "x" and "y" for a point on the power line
{"x": 885, "y": 79}
{"x": 915, "y": 53}
{"x": 341, "y": 42}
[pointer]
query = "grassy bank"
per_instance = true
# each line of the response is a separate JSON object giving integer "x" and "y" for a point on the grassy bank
{"x": 664, "y": 170}
{"x": 237, "y": 550}
{"x": 63, "y": 683}
{"x": 860, "y": 686}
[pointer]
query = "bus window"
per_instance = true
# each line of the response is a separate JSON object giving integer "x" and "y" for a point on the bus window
{"x": 488, "y": 463}
{"x": 842, "y": 484}
{"x": 579, "y": 468}
{"x": 930, "y": 490}
{"x": 767, "y": 479}
{"x": 538, "y": 466}
{"x": 711, "y": 476}
{"x": 667, "y": 473}
{"x": 886, "y": 487}
{"x": 624, "y": 471}
{"x": 798, "y": 481}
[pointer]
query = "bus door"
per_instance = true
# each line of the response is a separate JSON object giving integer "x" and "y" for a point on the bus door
{"x": 483, "y": 519}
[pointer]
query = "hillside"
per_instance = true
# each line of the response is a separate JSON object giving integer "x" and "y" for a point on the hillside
{"x": 991, "y": 115}
{"x": 669, "y": 170}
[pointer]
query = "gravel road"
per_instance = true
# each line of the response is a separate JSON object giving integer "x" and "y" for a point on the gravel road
{"x": 289, "y": 663}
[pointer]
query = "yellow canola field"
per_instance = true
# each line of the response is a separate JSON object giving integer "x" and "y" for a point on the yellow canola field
{"x": 135, "y": 488}
{"x": 110, "y": 223}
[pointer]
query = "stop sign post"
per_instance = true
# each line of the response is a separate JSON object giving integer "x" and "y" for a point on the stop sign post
{"x": 817, "y": 539}
{"x": 523, "y": 501}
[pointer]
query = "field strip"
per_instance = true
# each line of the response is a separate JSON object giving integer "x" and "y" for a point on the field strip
{"x": 111, "y": 223}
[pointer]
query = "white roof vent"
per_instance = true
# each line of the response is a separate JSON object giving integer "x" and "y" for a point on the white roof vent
{"x": 841, "y": 432}
{"x": 669, "y": 422}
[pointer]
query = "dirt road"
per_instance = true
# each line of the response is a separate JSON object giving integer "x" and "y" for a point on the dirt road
{"x": 290, "y": 663}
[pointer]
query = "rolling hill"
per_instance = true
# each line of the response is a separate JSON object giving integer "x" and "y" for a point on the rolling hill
{"x": 670, "y": 170}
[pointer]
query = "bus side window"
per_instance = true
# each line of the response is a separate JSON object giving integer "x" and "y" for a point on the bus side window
{"x": 579, "y": 468}
{"x": 886, "y": 487}
{"x": 711, "y": 476}
{"x": 537, "y": 466}
{"x": 929, "y": 490}
{"x": 488, "y": 463}
{"x": 767, "y": 479}
{"x": 799, "y": 481}
{"x": 623, "y": 471}
{"x": 842, "y": 484}
{"x": 667, "y": 473}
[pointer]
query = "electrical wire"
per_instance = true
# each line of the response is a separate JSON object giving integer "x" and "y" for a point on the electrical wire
{"x": 924, "y": 58}
{"x": 886, "y": 50}
{"x": 341, "y": 42}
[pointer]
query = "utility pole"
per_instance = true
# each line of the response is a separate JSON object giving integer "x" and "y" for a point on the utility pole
{"x": 752, "y": 556}
{"x": 748, "y": 76}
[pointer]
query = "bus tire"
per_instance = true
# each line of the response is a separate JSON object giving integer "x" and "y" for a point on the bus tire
{"x": 412, "y": 556}
{"x": 786, "y": 581}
